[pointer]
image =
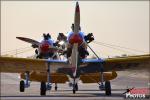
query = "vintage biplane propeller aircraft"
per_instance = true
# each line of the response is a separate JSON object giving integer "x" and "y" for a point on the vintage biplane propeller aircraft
{"x": 76, "y": 67}
{"x": 45, "y": 48}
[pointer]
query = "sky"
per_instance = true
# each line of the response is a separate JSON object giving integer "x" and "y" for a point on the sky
{"x": 121, "y": 23}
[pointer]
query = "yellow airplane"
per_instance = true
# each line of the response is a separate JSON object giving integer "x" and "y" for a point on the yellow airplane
{"x": 76, "y": 67}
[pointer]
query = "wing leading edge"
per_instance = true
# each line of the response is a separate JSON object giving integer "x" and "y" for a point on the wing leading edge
{"x": 117, "y": 64}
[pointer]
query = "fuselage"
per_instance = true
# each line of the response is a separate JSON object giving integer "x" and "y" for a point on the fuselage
{"x": 76, "y": 37}
{"x": 76, "y": 48}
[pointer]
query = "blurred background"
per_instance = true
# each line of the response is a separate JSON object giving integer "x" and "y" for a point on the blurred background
{"x": 120, "y": 28}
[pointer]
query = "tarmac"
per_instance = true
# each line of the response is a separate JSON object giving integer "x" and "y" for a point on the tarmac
{"x": 125, "y": 79}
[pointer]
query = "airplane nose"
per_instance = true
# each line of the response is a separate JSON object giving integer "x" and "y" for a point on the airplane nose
{"x": 44, "y": 48}
{"x": 76, "y": 38}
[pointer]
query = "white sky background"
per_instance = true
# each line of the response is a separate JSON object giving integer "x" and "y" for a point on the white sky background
{"x": 123, "y": 23}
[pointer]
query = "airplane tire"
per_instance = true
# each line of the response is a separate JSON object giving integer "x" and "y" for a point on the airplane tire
{"x": 22, "y": 86}
{"x": 76, "y": 87}
{"x": 56, "y": 88}
{"x": 74, "y": 91}
{"x": 43, "y": 88}
{"x": 107, "y": 88}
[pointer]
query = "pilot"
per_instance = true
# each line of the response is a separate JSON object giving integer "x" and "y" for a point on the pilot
{"x": 61, "y": 40}
{"x": 48, "y": 38}
{"x": 72, "y": 27}
{"x": 80, "y": 32}
{"x": 44, "y": 35}
{"x": 61, "y": 37}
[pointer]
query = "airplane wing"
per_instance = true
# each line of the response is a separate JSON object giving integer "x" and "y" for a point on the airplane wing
{"x": 19, "y": 65}
{"x": 90, "y": 68}
{"x": 125, "y": 63}
{"x": 33, "y": 42}
{"x": 122, "y": 63}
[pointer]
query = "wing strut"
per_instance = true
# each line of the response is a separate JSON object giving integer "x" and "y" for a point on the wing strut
{"x": 27, "y": 84}
{"x": 101, "y": 86}
{"x": 49, "y": 85}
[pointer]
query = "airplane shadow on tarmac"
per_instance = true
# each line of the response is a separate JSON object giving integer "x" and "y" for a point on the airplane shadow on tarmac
{"x": 62, "y": 94}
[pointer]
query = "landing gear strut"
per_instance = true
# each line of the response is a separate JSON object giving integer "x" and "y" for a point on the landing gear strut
{"x": 56, "y": 87}
{"x": 25, "y": 84}
{"x": 102, "y": 86}
{"x": 75, "y": 87}
{"x": 48, "y": 86}
{"x": 43, "y": 88}
{"x": 107, "y": 88}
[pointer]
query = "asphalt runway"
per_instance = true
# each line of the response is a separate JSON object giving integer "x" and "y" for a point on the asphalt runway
{"x": 10, "y": 88}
